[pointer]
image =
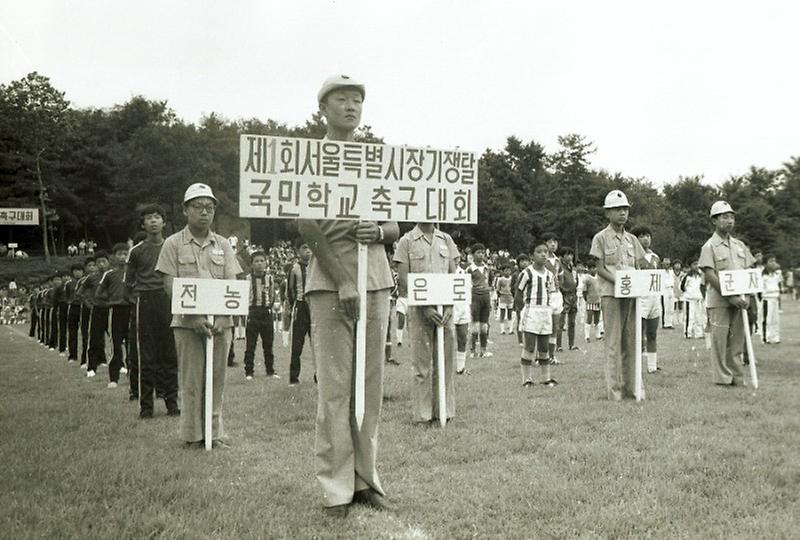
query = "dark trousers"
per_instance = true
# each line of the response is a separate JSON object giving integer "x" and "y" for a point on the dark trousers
{"x": 86, "y": 317}
{"x": 259, "y": 323}
{"x": 568, "y": 316}
{"x": 158, "y": 363}
{"x": 73, "y": 327}
{"x": 98, "y": 326}
{"x": 63, "y": 310}
{"x": 301, "y": 327}
{"x": 133, "y": 352}
{"x": 120, "y": 316}
{"x": 34, "y": 322}
{"x": 52, "y": 337}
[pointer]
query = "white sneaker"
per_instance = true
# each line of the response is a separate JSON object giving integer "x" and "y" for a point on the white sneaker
{"x": 51, "y": 348}
{"x": 90, "y": 373}
{"x": 487, "y": 354}
{"x": 248, "y": 378}
{"x": 112, "y": 384}
{"x": 70, "y": 361}
{"x": 84, "y": 366}
{"x": 274, "y": 376}
{"x": 104, "y": 364}
{"x": 123, "y": 370}
{"x": 62, "y": 354}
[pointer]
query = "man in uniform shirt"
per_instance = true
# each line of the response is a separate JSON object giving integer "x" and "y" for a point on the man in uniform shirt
{"x": 346, "y": 455}
{"x": 155, "y": 365}
{"x": 198, "y": 252}
{"x": 616, "y": 249}
{"x": 724, "y": 252}
{"x": 425, "y": 249}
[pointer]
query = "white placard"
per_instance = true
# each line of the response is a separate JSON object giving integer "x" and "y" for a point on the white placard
{"x": 438, "y": 289}
{"x": 747, "y": 281}
{"x": 631, "y": 283}
{"x": 287, "y": 178}
{"x": 13, "y": 245}
{"x": 198, "y": 296}
{"x": 19, "y": 216}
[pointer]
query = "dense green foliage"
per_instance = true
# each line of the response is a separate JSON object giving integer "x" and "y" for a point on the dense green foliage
{"x": 97, "y": 165}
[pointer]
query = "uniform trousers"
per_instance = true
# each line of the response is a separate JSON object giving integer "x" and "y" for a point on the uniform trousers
{"x": 86, "y": 318}
{"x": 34, "y": 322}
{"x": 619, "y": 316}
{"x": 259, "y": 323}
{"x": 73, "y": 327}
{"x": 301, "y": 327}
{"x": 158, "y": 365}
{"x": 98, "y": 325}
{"x": 190, "y": 348}
{"x": 568, "y": 315}
{"x": 727, "y": 342}
{"x": 63, "y": 311}
{"x": 120, "y": 317}
{"x": 424, "y": 343}
{"x": 346, "y": 456}
{"x": 52, "y": 337}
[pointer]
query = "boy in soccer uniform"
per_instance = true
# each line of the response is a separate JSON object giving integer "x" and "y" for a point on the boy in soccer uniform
{"x": 569, "y": 293}
{"x": 591, "y": 296}
{"x": 649, "y": 306}
{"x": 461, "y": 315}
{"x": 724, "y": 252}
{"x": 538, "y": 285}
{"x": 155, "y": 367}
{"x": 616, "y": 249}
{"x": 33, "y": 304}
{"x": 112, "y": 291}
{"x": 692, "y": 290}
{"x": 98, "y": 319}
{"x": 481, "y": 299}
{"x": 523, "y": 260}
{"x": 259, "y": 318}
{"x": 74, "y": 312}
{"x": 771, "y": 327}
{"x": 505, "y": 300}
{"x": 553, "y": 264}
{"x": 300, "y": 314}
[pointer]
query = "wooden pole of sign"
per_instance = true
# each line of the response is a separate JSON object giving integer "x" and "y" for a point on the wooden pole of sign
{"x": 638, "y": 389}
{"x": 361, "y": 335}
{"x": 209, "y": 394}
{"x": 750, "y": 354}
{"x": 442, "y": 395}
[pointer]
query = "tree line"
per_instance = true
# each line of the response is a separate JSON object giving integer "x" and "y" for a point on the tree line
{"x": 88, "y": 170}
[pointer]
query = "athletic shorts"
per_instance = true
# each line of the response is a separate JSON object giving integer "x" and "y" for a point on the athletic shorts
{"x": 557, "y": 303}
{"x": 402, "y": 305}
{"x": 481, "y": 308}
{"x": 536, "y": 320}
{"x": 461, "y": 313}
{"x": 650, "y": 307}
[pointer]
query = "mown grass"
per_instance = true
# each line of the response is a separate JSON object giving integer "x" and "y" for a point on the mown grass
{"x": 694, "y": 460}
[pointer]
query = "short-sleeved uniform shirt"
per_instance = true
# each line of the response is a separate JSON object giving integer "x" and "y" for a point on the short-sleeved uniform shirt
{"x": 423, "y": 255}
{"x": 616, "y": 251}
{"x": 184, "y": 257}
{"x": 723, "y": 254}
{"x": 341, "y": 237}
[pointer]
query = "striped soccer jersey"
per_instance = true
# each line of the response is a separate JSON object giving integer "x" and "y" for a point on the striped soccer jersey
{"x": 537, "y": 286}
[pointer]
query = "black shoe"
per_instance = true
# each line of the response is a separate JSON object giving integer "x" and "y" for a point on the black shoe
{"x": 574, "y": 348}
{"x": 174, "y": 412}
{"x": 527, "y": 384}
{"x": 560, "y": 349}
{"x": 339, "y": 511}
{"x": 550, "y": 383}
{"x": 133, "y": 397}
{"x": 232, "y": 364}
{"x": 144, "y": 415}
{"x": 194, "y": 445}
{"x": 371, "y": 498}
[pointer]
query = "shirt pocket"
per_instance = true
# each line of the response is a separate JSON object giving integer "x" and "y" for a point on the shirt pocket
{"x": 217, "y": 265}
{"x": 611, "y": 256}
{"x": 187, "y": 265}
{"x": 416, "y": 261}
{"x": 444, "y": 259}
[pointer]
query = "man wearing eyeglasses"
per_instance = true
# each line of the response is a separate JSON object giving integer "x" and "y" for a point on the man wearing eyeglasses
{"x": 198, "y": 252}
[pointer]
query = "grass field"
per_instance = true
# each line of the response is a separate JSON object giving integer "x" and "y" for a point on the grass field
{"x": 694, "y": 460}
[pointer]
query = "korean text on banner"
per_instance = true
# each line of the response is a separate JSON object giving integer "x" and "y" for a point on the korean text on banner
{"x": 19, "y": 216}
{"x": 196, "y": 296}
{"x": 733, "y": 282}
{"x": 286, "y": 177}
{"x": 438, "y": 289}
{"x": 631, "y": 283}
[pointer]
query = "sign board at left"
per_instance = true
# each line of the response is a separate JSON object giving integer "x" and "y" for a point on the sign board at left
{"x": 197, "y": 296}
{"x": 289, "y": 178}
{"x": 19, "y": 216}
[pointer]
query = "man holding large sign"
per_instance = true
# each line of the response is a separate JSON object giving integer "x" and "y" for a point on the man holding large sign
{"x": 425, "y": 249}
{"x": 616, "y": 249}
{"x": 198, "y": 252}
{"x": 347, "y": 453}
{"x": 724, "y": 252}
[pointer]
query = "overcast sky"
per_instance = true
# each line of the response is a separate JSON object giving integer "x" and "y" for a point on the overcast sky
{"x": 663, "y": 88}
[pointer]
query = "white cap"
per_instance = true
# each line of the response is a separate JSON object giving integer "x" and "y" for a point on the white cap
{"x": 721, "y": 207}
{"x": 198, "y": 190}
{"x": 615, "y": 199}
{"x": 339, "y": 81}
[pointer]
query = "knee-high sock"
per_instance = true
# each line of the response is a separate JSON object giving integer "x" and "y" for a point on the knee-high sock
{"x": 652, "y": 361}
{"x": 588, "y": 331}
{"x": 461, "y": 360}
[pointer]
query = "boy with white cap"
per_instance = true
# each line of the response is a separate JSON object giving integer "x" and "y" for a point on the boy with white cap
{"x": 724, "y": 252}
{"x": 616, "y": 249}
{"x": 198, "y": 252}
{"x": 346, "y": 455}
